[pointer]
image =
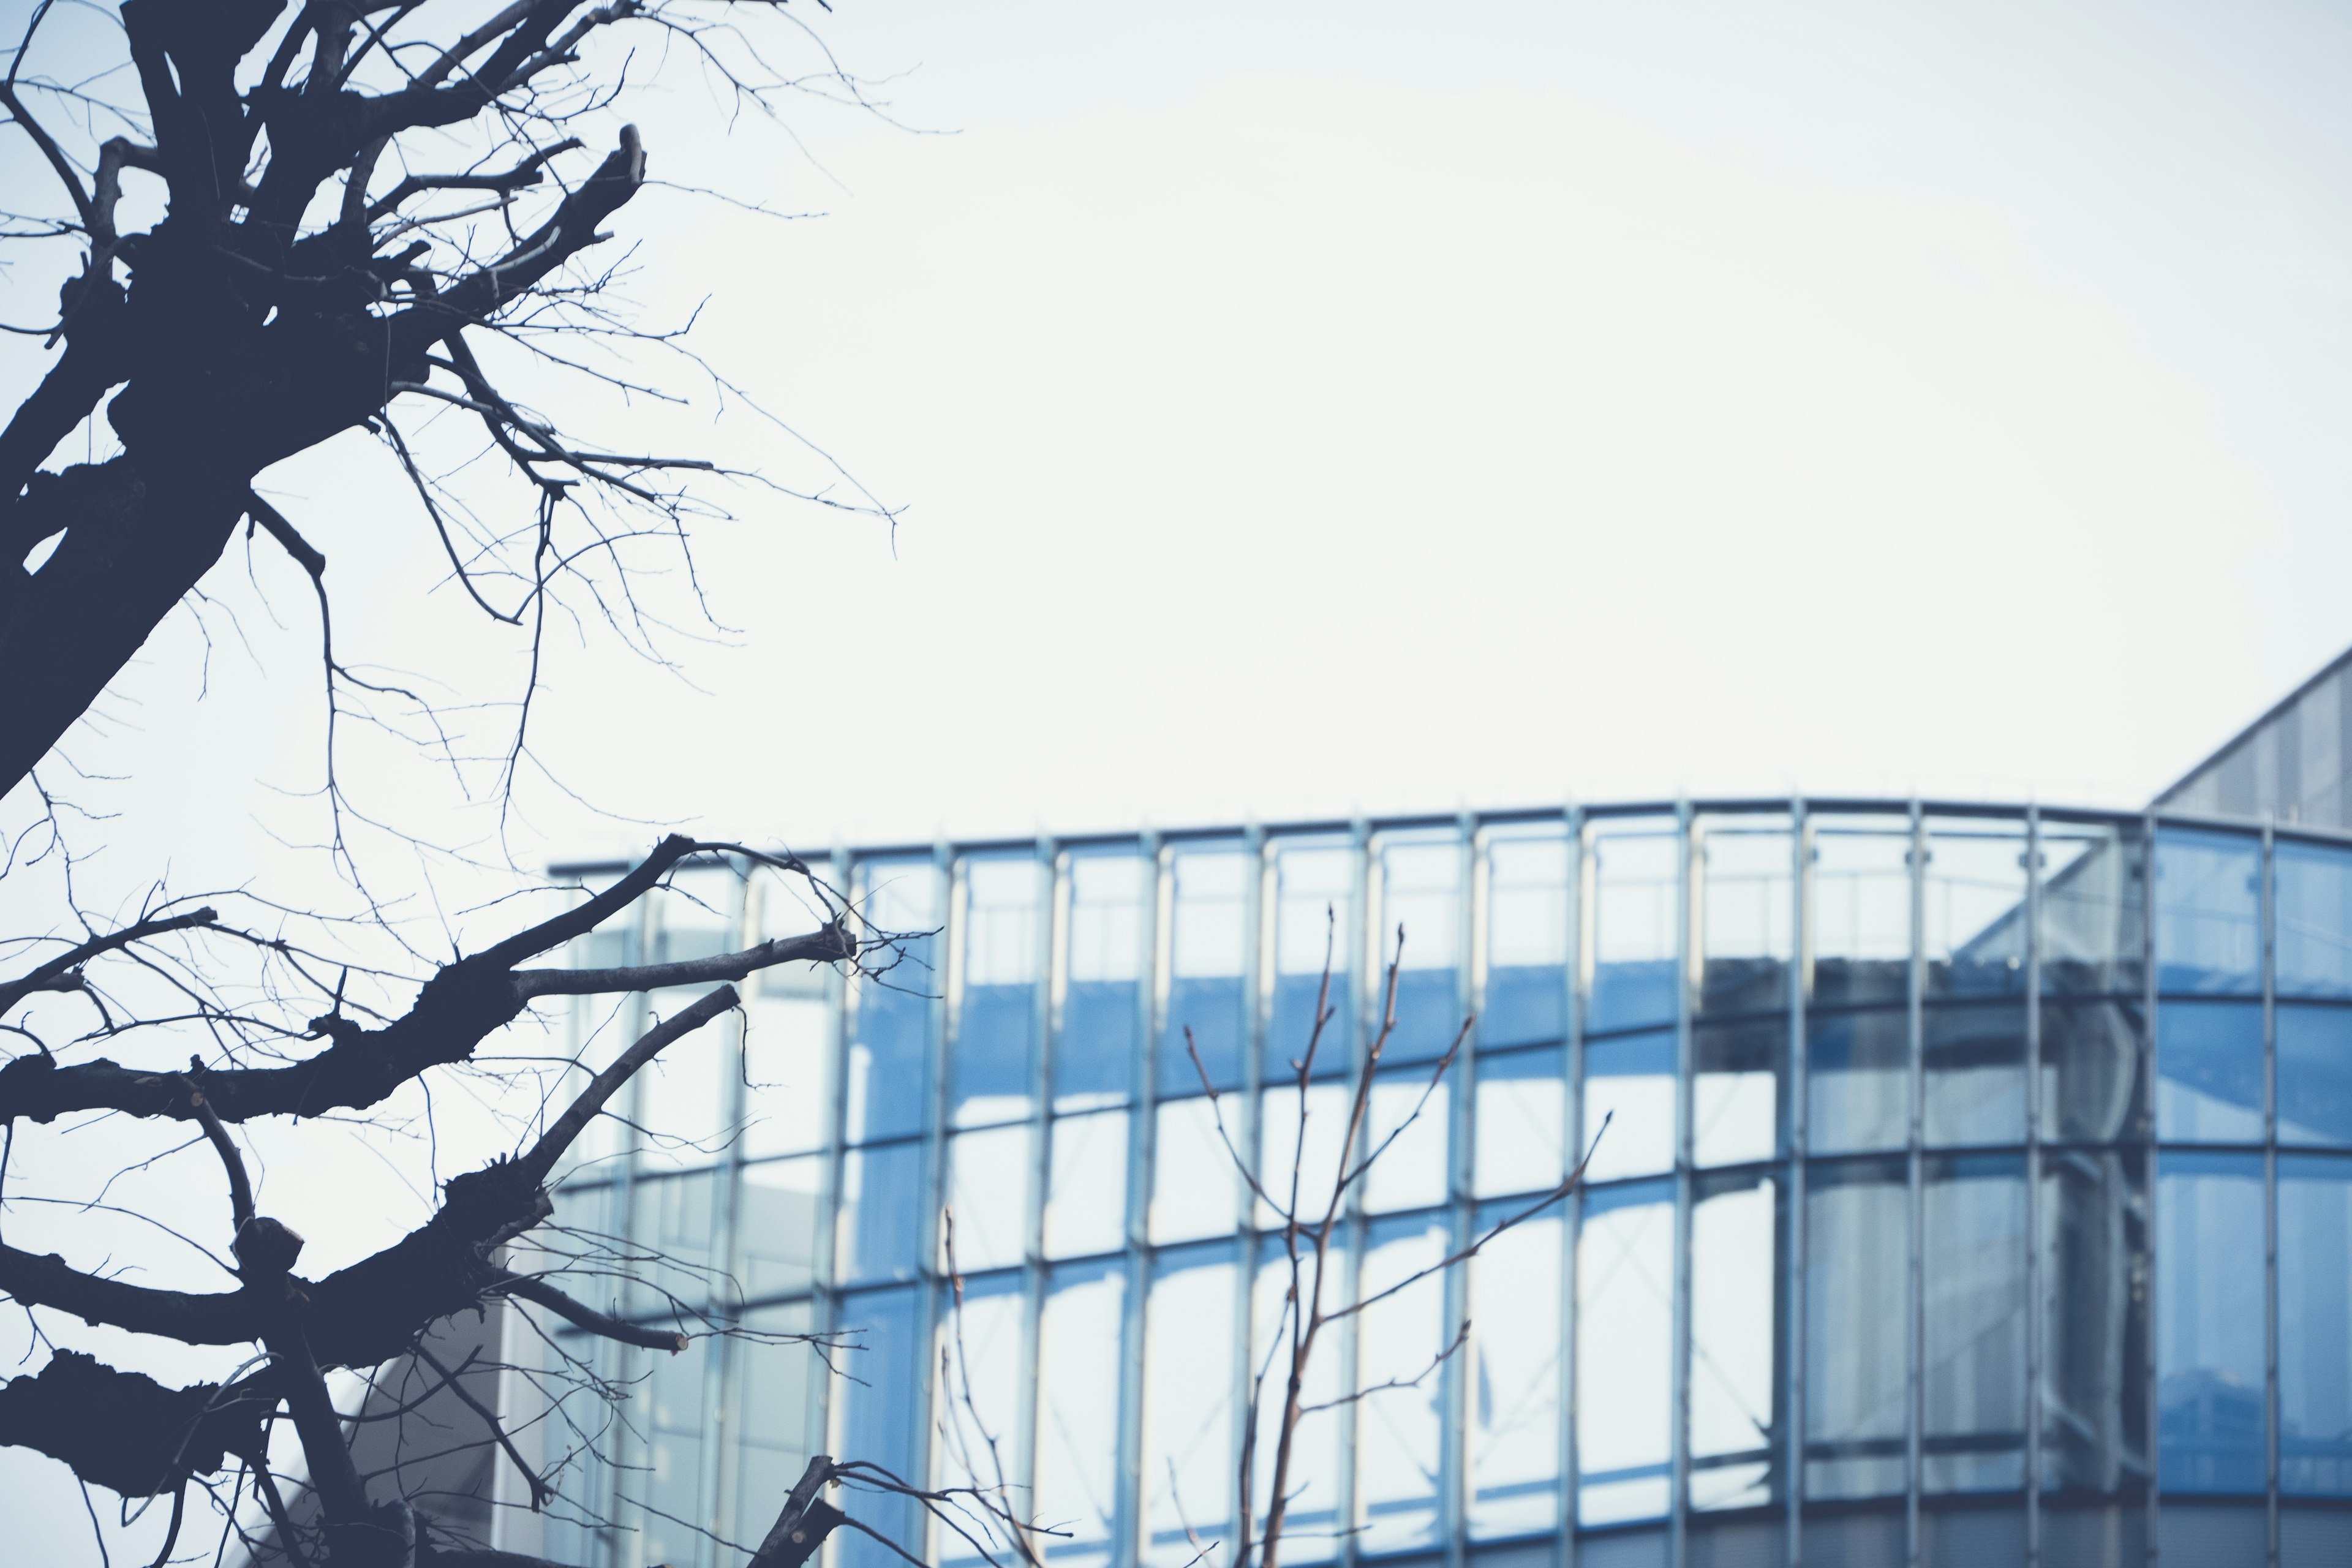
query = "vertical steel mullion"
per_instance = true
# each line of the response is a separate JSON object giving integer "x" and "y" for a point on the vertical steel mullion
{"x": 639, "y": 1007}
{"x": 1128, "y": 1514}
{"x": 1573, "y": 971}
{"x": 2151, "y": 1436}
{"x": 1686, "y": 871}
{"x": 2035, "y": 1398}
{"x": 1469, "y": 998}
{"x": 826, "y": 1304}
{"x": 1801, "y": 987}
{"x": 935, "y": 1156}
{"x": 1047, "y": 889}
{"x": 714, "y": 1492}
{"x": 1916, "y": 1336}
{"x": 1369, "y": 991}
{"x": 2269, "y": 894}
{"x": 1257, "y": 990}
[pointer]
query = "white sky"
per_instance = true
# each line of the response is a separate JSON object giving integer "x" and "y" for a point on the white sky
{"x": 1307, "y": 409}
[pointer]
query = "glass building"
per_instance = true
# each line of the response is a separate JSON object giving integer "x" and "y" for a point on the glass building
{"x": 1977, "y": 1188}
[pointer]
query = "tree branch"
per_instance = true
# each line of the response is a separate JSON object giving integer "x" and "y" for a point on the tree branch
{"x": 579, "y": 1313}
{"x": 828, "y": 944}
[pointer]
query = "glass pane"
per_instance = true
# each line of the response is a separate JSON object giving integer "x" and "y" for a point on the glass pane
{"x": 1194, "y": 1186}
{"x": 993, "y": 1056}
{"x": 883, "y": 1198}
{"x": 977, "y": 1411}
{"x": 2093, "y": 912}
{"x": 2209, "y": 912}
{"x": 1208, "y": 961}
{"x": 1625, "y": 1352}
{"x": 669, "y": 1220}
{"x": 2314, "y": 1258}
{"x": 2090, "y": 1072}
{"x": 2314, "y": 1074}
{"x": 877, "y": 1383}
{"x": 787, "y": 908}
{"x": 699, "y": 906}
{"x": 1410, "y": 1173}
{"x": 1734, "y": 1334}
{"x": 787, "y": 1062}
{"x": 681, "y": 1112}
{"x": 2208, "y": 1322}
{"x": 670, "y": 1486}
{"x": 1635, "y": 908}
{"x": 1736, "y": 1090}
{"x": 1858, "y": 1081}
{"x": 776, "y": 1225}
{"x": 774, "y": 1405}
{"x": 1855, "y": 1422}
{"x": 1973, "y": 1366}
{"x": 1527, "y": 940}
{"x": 1748, "y": 919}
{"x": 1400, "y": 1425}
{"x": 1973, "y": 907}
{"x": 2094, "y": 1323}
{"x": 890, "y": 1086}
{"x": 2314, "y": 920}
{"x": 1514, "y": 1395}
{"x": 988, "y": 1194}
{"x": 1862, "y": 910}
{"x": 1086, "y": 1198}
{"x": 2209, "y": 1072}
{"x": 1301, "y": 1157}
{"x": 1520, "y": 1143}
{"x": 1421, "y": 889}
{"x": 1093, "y": 1054}
{"x": 1077, "y": 1411}
{"x": 1314, "y": 918}
{"x": 1975, "y": 1065}
{"x": 1630, "y": 1083}
{"x": 1188, "y": 1411}
{"x": 1312, "y": 1533}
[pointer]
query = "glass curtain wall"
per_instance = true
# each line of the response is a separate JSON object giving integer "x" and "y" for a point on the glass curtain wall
{"x": 1960, "y": 1184}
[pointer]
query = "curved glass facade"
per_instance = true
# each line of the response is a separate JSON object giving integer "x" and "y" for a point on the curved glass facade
{"x": 1976, "y": 1187}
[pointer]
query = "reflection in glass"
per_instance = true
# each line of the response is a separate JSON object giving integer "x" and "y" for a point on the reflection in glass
{"x": 1973, "y": 908}
{"x": 1188, "y": 1411}
{"x": 1421, "y": 889}
{"x": 1974, "y": 1317}
{"x": 1974, "y": 1090}
{"x": 1734, "y": 1237}
{"x": 1085, "y": 1194}
{"x": 879, "y": 1230}
{"x": 1207, "y": 961}
{"x": 1527, "y": 940}
{"x": 2094, "y": 1322}
{"x": 681, "y": 1111}
{"x": 1625, "y": 1352}
{"x": 1635, "y": 907}
{"x": 2209, "y": 1339}
{"x": 875, "y": 1395}
{"x": 890, "y": 1076}
{"x": 988, "y": 1196}
{"x": 2093, "y": 906}
{"x": 977, "y": 1413}
{"x": 2091, "y": 1071}
{"x": 1302, "y": 1157}
{"x": 1857, "y": 1081}
{"x": 776, "y": 1383}
{"x": 787, "y": 1058}
{"x": 670, "y": 1487}
{"x": 2209, "y": 912}
{"x": 1409, "y": 1173}
{"x": 1519, "y": 1143}
{"x": 1094, "y": 1052}
{"x": 669, "y": 1219}
{"x": 1514, "y": 1405}
{"x": 2315, "y": 1218}
{"x": 1399, "y": 1427}
{"x": 1314, "y": 1480}
{"x": 2209, "y": 1072}
{"x": 1314, "y": 900}
{"x": 1736, "y": 1090}
{"x": 1078, "y": 1410}
{"x": 776, "y": 1225}
{"x": 2314, "y": 916}
{"x": 2314, "y": 1074}
{"x": 1862, "y": 910}
{"x": 1748, "y": 915}
{"x": 993, "y": 1054}
{"x": 1630, "y": 1083}
{"x": 1194, "y": 1188}
{"x": 1855, "y": 1423}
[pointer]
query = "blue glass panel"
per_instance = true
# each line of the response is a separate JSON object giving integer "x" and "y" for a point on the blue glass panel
{"x": 1973, "y": 905}
{"x": 2094, "y": 907}
{"x": 1208, "y": 961}
{"x": 1624, "y": 1353}
{"x": 2315, "y": 1217}
{"x": 2090, "y": 1074}
{"x": 1519, "y": 1144}
{"x": 1974, "y": 1090}
{"x": 2208, "y": 931}
{"x": 993, "y": 1061}
{"x": 1512, "y": 1446}
{"x": 1527, "y": 941}
{"x": 1746, "y": 915}
{"x": 1636, "y": 975}
{"x": 1216, "y": 1013}
{"x": 2314, "y": 920}
{"x": 2208, "y": 1319}
{"x": 1856, "y": 1329}
{"x": 1735, "y": 1226}
{"x": 1077, "y": 1425}
{"x": 1973, "y": 1324}
{"x": 1861, "y": 910}
{"x": 877, "y": 1396}
{"x": 889, "y": 1079}
{"x": 1527, "y": 1005}
{"x": 1188, "y": 1409}
{"x": 2314, "y": 1074}
{"x": 1421, "y": 893}
{"x": 1428, "y": 1016}
{"x": 2209, "y": 1072}
{"x": 1094, "y": 1056}
{"x": 1858, "y": 1081}
{"x": 1631, "y": 1082}
{"x": 883, "y": 1198}
{"x": 1315, "y": 923}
